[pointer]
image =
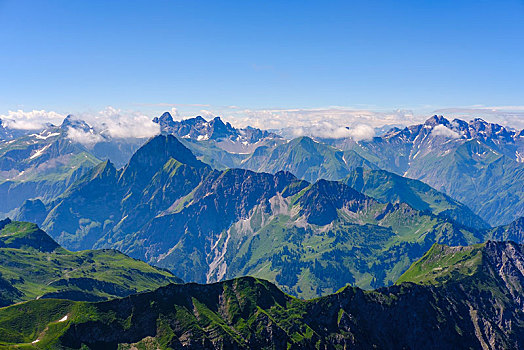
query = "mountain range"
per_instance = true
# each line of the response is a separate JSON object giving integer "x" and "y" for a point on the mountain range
{"x": 454, "y": 297}
{"x": 411, "y": 239}
{"x": 477, "y": 163}
{"x": 225, "y": 136}
{"x": 168, "y": 208}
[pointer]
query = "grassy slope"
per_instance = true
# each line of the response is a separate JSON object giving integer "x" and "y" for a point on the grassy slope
{"x": 245, "y": 311}
{"x": 388, "y": 187}
{"x": 442, "y": 262}
{"x": 48, "y": 269}
{"x": 311, "y": 260}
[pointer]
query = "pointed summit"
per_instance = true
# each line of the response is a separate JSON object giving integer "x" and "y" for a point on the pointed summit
{"x": 154, "y": 154}
{"x": 164, "y": 119}
{"x": 319, "y": 204}
{"x": 199, "y": 119}
{"x": 437, "y": 120}
{"x": 220, "y": 130}
{"x": 71, "y": 122}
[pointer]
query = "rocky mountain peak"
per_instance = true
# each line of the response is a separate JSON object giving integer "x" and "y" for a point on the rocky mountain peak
{"x": 149, "y": 158}
{"x": 220, "y": 130}
{"x": 4, "y": 222}
{"x": 437, "y": 120}
{"x": 216, "y": 129}
{"x": 319, "y": 204}
{"x": 164, "y": 119}
{"x": 162, "y": 147}
{"x": 71, "y": 122}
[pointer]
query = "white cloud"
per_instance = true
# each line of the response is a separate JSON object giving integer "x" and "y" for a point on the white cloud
{"x": 301, "y": 121}
{"x": 118, "y": 124}
{"x": 332, "y": 131}
{"x": 333, "y": 122}
{"x": 204, "y": 113}
{"x": 32, "y": 120}
{"x": 109, "y": 121}
{"x": 174, "y": 112}
{"x": 441, "y": 130}
{"x": 362, "y": 132}
{"x": 87, "y": 138}
{"x": 323, "y": 122}
{"x": 309, "y": 118}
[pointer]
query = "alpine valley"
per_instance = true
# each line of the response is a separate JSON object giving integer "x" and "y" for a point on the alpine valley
{"x": 411, "y": 239}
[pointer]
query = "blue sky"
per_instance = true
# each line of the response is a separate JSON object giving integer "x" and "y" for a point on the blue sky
{"x": 149, "y": 56}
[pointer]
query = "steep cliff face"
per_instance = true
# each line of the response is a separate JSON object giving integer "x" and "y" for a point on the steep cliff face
{"x": 463, "y": 298}
{"x": 512, "y": 232}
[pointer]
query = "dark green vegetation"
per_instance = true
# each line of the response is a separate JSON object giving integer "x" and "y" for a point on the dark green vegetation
{"x": 169, "y": 209}
{"x": 462, "y": 298}
{"x": 33, "y": 265}
{"x": 477, "y": 163}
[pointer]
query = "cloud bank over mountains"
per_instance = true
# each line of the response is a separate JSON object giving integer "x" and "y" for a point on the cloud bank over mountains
{"x": 32, "y": 120}
{"x": 332, "y": 122}
{"x": 110, "y": 122}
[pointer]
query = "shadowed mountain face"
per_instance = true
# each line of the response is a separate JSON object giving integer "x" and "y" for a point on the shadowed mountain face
{"x": 478, "y": 164}
{"x": 33, "y": 265}
{"x": 111, "y": 201}
{"x": 454, "y": 297}
{"x": 169, "y": 209}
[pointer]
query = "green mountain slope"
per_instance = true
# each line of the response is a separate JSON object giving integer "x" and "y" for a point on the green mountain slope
{"x": 467, "y": 309}
{"x": 114, "y": 202}
{"x": 307, "y": 159}
{"x": 478, "y": 164}
{"x": 43, "y": 163}
{"x": 32, "y": 265}
{"x": 389, "y": 187}
{"x": 169, "y": 209}
{"x": 309, "y": 239}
